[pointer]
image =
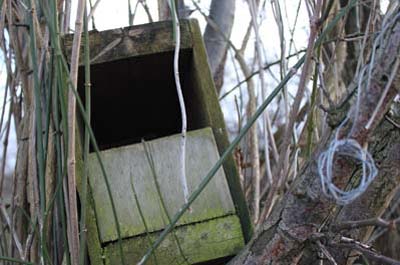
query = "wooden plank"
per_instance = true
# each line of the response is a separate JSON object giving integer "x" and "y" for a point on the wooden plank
{"x": 130, "y": 163}
{"x": 121, "y": 43}
{"x": 200, "y": 242}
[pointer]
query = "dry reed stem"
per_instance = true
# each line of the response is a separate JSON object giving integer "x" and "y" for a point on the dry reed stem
{"x": 72, "y": 198}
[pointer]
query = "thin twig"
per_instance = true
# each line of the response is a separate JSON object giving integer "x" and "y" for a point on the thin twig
{"x": 84, "y": 178}
{"x": 3, "y": 108}
{"x": 146, "y": 9}
{"x": 327, "y": 254}
{"x": 92, "y": 10}
{"x": 395, "y": 124}
{"x": 5, "y": 148}
{"x": 348, "y": 225}
{"x": 276, "y": 9}
{"x": 366, "y": 250}
{"x": 67, "y": 17}
{"x": 14, "y": 234}
{"x": 265, "y": 67}
{"x": 387, "y": 87}
{"x": 73, "y": 221}
{"x": 146, "y": 227}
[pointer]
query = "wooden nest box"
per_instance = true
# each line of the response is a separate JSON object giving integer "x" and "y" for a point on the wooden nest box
{"x": 133, "y": 97}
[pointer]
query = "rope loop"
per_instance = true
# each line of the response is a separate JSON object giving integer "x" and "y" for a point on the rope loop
{"x": 345, "y": 148}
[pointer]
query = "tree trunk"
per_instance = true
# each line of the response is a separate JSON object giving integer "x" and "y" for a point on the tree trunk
{"x": 165, "y": 14}
{"x": 222, "y": 12}
{"x": 163, "y": 10}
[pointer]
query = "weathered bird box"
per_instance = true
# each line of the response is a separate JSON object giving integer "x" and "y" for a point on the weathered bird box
{"x": 134, "y": 97}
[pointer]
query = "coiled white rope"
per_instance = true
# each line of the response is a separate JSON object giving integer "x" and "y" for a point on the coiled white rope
{"x": 343, "y": 148}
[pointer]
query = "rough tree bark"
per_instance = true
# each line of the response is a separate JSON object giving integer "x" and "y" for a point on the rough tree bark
{"x": 165, "y": 14}
{"x": 289, "y": 235}
{"x": 222, "y": 12}
{"x": 163, "y": 10}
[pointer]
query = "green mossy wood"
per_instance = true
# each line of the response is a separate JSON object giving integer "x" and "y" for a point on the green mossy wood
{"x": 212, "y": 218}
{"x": 200, "y": 242}
{"x": 130, "y": 164}
{"x": 128, "y": 66}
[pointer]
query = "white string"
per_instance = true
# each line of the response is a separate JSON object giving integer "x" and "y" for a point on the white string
{"x": 345, "y": 148}
{"x": 182, "y": 175}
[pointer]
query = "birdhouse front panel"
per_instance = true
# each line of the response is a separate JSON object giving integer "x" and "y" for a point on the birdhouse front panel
{"x": 134, "y": 183}
{"x": 136, "y": 120}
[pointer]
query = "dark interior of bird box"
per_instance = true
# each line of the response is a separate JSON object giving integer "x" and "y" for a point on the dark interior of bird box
{"x": 135, "y": 98}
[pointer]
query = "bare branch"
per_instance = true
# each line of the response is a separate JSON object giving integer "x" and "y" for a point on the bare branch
{"x": 366, "y": 250}
{"x": 326, "y": 252}
{"x": 72, "y": 199}
{"x": 368, "y": 222}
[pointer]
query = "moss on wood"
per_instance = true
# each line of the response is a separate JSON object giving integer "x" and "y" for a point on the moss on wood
{"x": 129, "y": 163}
{"x": 200, "y": 242}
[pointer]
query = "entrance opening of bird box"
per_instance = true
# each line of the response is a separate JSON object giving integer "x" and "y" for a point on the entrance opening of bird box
{"x": 136, "y": 98}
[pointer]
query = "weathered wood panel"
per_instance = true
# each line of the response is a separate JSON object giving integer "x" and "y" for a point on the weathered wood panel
{"x": 129, "y": 163}
{"x": 220, "y": 237}
{"x": 121, "y": 43}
